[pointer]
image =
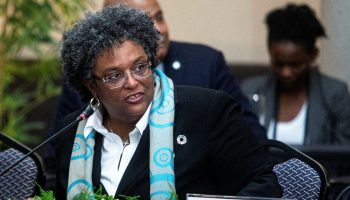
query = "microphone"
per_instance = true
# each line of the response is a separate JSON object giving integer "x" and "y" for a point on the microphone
{"x": 85, "y": 114}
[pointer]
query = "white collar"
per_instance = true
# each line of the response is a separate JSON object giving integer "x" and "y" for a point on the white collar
{"x": 96, "y": 119}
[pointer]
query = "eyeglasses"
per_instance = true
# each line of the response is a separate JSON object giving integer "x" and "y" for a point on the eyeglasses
{"x": 116, "y": 79}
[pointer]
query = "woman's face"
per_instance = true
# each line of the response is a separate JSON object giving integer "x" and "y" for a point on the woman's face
{"x": 128, "y": 102}
{"x": 290, "y": 63}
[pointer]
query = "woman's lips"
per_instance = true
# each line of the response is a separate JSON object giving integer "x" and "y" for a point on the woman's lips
{"x": 135, "y": 98}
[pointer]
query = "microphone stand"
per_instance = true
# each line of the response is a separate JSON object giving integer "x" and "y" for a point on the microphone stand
{"x": 85, "y": 114}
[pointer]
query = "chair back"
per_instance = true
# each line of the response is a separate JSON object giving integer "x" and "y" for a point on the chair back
{"x": 300, "y": 176}
{"x": 21, "y": 181}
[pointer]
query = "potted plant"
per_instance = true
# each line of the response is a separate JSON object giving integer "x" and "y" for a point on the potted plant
{"x": 29, "y": 68}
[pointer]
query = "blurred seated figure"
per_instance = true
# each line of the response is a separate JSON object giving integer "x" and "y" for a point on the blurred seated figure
{"x": 149, "y": 137}
{"x": 301, "y": 105}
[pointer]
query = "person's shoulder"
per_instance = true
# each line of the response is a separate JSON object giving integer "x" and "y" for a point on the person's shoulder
{"x": 198, "y": 94}
{"x": 66, "y": 139}
{"x": 254, "y": 82}
{"x": 194, "y": 56}
{"x": 192, "y": 47}
{"x": 255, "y": 79}
{"x": 331, "y": 84}
{"x": 69, "y": 118}
{"x": 195, "y": 90}
{"x": 198, "y": 102}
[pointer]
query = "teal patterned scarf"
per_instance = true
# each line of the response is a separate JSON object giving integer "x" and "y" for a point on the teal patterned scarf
{"x": 161, "y": 123}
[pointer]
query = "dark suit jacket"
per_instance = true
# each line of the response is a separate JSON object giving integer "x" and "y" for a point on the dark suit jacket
{"x": 328, "y": 114}
{"x": 221, "y": 156}
{"x": 199, "y": 66}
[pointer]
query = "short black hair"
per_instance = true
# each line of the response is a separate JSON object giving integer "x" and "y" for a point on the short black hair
{"x": 295, "y": 23}
{"x": 100, "y": 31}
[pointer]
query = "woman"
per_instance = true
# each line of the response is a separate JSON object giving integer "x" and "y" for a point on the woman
{"x": 302, "y": 106}
{"x": 147, "y": 137}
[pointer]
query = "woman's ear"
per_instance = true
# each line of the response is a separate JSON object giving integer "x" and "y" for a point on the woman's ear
{"x": 91, "y": 86}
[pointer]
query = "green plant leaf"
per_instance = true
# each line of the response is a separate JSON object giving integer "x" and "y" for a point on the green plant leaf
{"x": 30, "y": 25}
{"x": 44, "y": 195}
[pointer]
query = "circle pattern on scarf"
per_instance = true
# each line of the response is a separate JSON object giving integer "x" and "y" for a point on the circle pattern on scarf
{"x": 163, "y": 157}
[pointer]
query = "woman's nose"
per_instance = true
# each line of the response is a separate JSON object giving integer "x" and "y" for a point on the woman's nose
{"x": 131, "y": 82}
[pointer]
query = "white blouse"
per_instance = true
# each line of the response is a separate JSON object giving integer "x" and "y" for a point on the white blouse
{"x": 290, "y": 132}
{"x": 115, "y": 156}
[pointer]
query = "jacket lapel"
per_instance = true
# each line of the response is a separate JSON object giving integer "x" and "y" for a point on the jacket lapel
{"x": 315, "y": 126}
{"x": 177, "y": 75}
{"x": 96, "y": 170}
{"x": 138, "y": 166}
{"x": 270, "y": 101}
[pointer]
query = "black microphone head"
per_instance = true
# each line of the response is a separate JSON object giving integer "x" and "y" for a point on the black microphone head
{"x": 86, "y": 113}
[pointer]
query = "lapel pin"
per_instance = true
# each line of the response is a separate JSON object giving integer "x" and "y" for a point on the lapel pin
{"x": 176, "y": 65}
{"x": 181, "y": 139}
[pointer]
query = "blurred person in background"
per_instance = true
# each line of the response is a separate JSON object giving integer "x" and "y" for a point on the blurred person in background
{"x": 302, "y": 105}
